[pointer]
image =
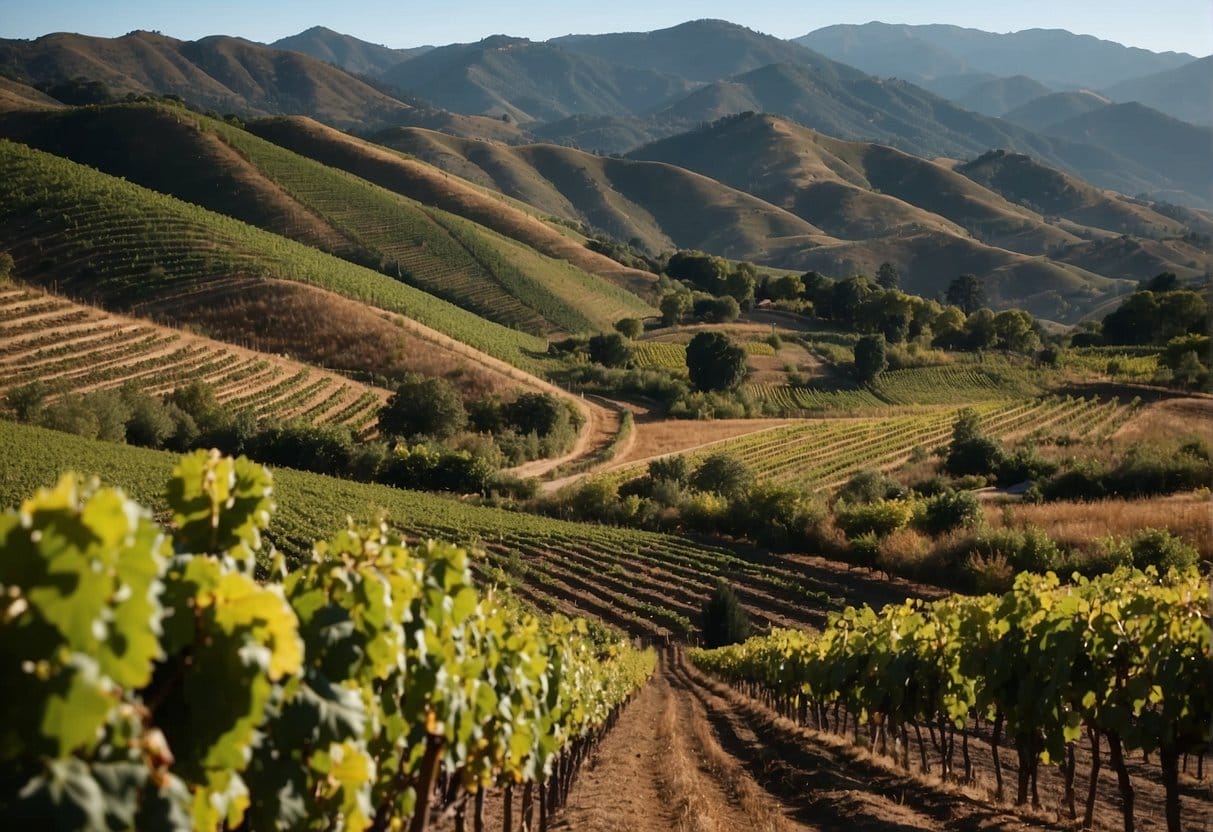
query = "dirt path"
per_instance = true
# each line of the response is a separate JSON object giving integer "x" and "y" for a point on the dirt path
{"x": 663, "y": 769}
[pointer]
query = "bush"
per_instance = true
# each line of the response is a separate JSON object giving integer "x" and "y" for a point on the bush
{"x": 1026, "y": 551}
{"x": 724, "y": 474}
{"x": 631, "y": 328}
{"x": 610, "y": 350}
{"x": 714, "y": 362}
{"x": 1160, "y": 549}
{"x": 879, "y": 518}
{"x": 868, "y": 486}
{"x": 703, "y": 512}
{"x": 947, "y": 511}
{"x": 722, "y": 619}
{"x": 769, "y": 514}
{"x": 978, "y": 455}
{"x": 423, "y": 407}
{"x": 70, "y": 414}
{"x": 1024, "y": 465}
{"x": 673, "y": 468}
{"x": 26, "y": 402}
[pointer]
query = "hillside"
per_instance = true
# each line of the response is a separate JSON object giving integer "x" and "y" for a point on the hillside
{"x": 1185, "y": 92}
{"x": 233, "y": 172}
{"x": 1055, "y": 57}
{"x": 661, "y": 205}
{"x": 17, "y": 96}
{"x": 429, "y": 185}
{"x": 530, "y": 81}
{"x": 68, "y": 347}
{"x": 221, "y": 73}
{"x": 350, "y": 53}
{"x": 1178, "y": 151}
{"x": 112, "y": 242}
{"x": 928, "y": 220}
{"x": 1047, "y": 110}
{"x": 999, "y": 96}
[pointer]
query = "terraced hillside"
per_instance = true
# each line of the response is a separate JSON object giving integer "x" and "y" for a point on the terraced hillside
{"x": 223, "y": 168}
{"x": 73, "y": 348}
{"x": 130, "y": 249}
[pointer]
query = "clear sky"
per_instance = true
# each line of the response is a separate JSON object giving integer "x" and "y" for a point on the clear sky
{"x": 1160, "y": 25}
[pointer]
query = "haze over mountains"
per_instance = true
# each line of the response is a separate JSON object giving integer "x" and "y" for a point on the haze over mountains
{"x": 965, "y": 151}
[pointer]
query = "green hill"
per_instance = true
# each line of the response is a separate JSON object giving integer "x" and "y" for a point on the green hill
{"x": 229, "y": 170}
{"x": 128, "y": 248}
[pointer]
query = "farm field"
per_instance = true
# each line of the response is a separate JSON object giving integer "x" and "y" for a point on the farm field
{"x": 70, "y": 347}
{"x": 820, "y": 453}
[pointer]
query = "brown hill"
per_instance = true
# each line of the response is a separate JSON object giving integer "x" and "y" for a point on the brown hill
{"x": 221, "y": 73}
{"x": 17, "y": 96}
{"x": 427, "y": 184}
{"x": 661, "y": 205}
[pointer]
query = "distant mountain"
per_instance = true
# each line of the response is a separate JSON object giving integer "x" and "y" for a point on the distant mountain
{"x": 1055, "y": 57}
{"x": 220, "y": 73}
{"x": 1185, "y": 92}
{"x": 346, "y": 51}
{"x": 606, "y": 134}
{"x": 530, "y": 81}
{"x": 1047, "y": 110}
{"x": 1179, "y": 151}
{"x": 998, "y": 96}
{"x": 661, "y": 205}
{"x": 700, "y": 50}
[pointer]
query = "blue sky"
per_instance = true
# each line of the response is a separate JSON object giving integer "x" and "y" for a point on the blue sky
{"x": 1180, "y": 25}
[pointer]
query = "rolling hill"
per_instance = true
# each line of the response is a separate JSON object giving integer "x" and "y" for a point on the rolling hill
{"x": 227, "y": 169}
{"x": 1055, "y": 57}
{"x": 530, "y": 81}
{"x": 350, "y": 53}
{"x": 1047, "y": 110}
{"x": 229, "y": 75}
{"x": 999, "y": 96}
{"x": 1185, "y": 92}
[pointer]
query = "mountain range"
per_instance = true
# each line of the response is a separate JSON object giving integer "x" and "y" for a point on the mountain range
{"x": 723, "y": 139}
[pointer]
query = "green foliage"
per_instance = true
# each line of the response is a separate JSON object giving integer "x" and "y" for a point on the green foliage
{"x": 723, "y": 620}
{"x": 723, "y": 474}
{"x": 6, "y": 265}
{"x": 870, "y": 358}
{"x": 868, "y": 486}
{"x": 880, "y": 518}
{"x": 423, "y": 406}
{"x": 1158, "y": 548}
{"x": 674, "y": 468}
{"x": 967, "y": 293}
{"x": 715, "y": 362}
{"x": 971, "y": 452}
{"x": 631, "y": 328}
{"x": 158, "y": 685}
{"x": 610, "y": 350}
{"x": 947, "y": 511}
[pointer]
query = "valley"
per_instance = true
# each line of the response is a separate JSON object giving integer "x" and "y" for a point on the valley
{"x": 689, "y": 429}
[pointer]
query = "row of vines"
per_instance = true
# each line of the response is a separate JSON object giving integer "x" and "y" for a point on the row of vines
{"x": 1123, "y": 661}
{"x": 153, "y": 682}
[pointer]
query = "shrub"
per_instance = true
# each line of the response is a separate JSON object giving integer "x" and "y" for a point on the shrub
{"x": 70, "y": 414}
{"x": 1160, "y": 549}
{"x": 26, "y": 402}
{"x": 673, "y": 468}
{"x": 868, "y": 486}
{"x": 1023, "y": 465}
{"x": 610, "y": 349}
{"x": 722, "y": 619}
{"x": 724, "y": 474}
{"x": 1026, "y": 551}
{"x": 703, "y": 512}
{"x": 879, "y": 518}
{"x": 769, "y": 514}
{"x": 947, "y": 511}
{"x": 714, "y": 362}
{"x": 990, "y": 573}
{"x": 631, "y": 328}
{"x": 423, "y": 407}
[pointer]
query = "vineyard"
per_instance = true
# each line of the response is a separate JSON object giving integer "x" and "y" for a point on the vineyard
{"x": 951, "y": 384}
{"x": 73, "y": 348}
{"x": 445, "y": 255}
{"x": 820, "y": 453}
{"x": 1120, "y": 662}
{"x": 107, "y": 240}
{"x": 646, "y": 583}
{"x": 671, "y": 356}
{"x": 374, "y": 686}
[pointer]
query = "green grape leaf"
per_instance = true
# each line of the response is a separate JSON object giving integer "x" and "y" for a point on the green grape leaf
{"x": 220, "y": 505}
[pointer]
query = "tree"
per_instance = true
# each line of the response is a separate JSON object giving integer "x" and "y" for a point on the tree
{"x": 6, "y": 265}
{"x": 887, "y": 276}
{"x": 971, "y": 452}
{"x": 27, "y": 401}
{"x": 631, "y": 328}
{"x": 1163, "y": 282}
{"x": 1134, "y": 322}
{"x": 1015, "y": 332}
{"x": 423, "y": 407}
{"x": 538, "y": 413}
{"x": 723, "y": 620}
{"x": 703, "y": 270}
{"x": 870, "y": 358}
{"x": 714, "y": 362}
{"x": 717, "y": 310}
{"x": 740, "y": 286}
{"x": 724, "y": 474}
{"x": 610, "y": 349}
{"x": 673, "y": 468}
{"x": 674, "y": 307}
{"x": 966, "y": 292}
{"x": 787, "y": 287}
{"x": 980, "y": 333}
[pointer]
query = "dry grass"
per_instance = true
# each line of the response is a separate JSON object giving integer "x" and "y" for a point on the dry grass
{"x": 1081, "y": 525}
{"x": 1170, "y": 419}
